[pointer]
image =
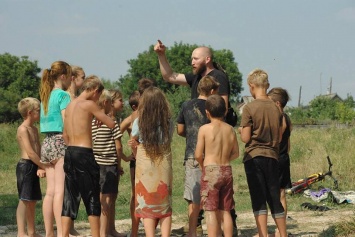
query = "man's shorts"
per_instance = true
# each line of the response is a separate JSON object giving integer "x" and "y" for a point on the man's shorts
{"x": 28, "y": 186}
{"x": 53, "y": 147}
{"x": 217, "y": 188}
{"x": 82, "y": 175}
{"x": 284, "y": 171}
{"x": 109, "y": 179}
{"x": 192, "y": 181}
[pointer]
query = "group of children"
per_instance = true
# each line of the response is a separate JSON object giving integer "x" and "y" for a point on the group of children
{"x": 66, "y": 119}
{"x": 82, "y": 129}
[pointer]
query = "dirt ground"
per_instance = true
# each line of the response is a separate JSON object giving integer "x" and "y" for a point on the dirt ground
{"x": 304, "y": 223}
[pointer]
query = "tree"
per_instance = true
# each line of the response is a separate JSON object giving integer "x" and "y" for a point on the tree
{"x": 179, "y": 55}
{"x": 300, "y": 115}
{"x": 18, "y": 79}
{"x": 349, "y": 101}
{"x": 344, "y": 113}
{"x": 109, "y": 84}
{"x": 323, "y": 108}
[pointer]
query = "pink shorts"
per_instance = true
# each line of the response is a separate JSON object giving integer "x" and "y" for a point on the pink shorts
{"x": 217, "y": 188}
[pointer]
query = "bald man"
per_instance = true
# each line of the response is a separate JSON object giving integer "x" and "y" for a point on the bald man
{"x": 202, "y": 65}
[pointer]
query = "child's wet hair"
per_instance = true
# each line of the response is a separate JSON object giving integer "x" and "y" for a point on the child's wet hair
{"x": 134, "y": 99}
{"x": 27, "y": 104}
{"x": 216, "y": 106}
{"x": 279, "y": 94}
{"x": 92, "y": 82}
{"x": 105, "y": 96}
{"x": 259, "y": 78}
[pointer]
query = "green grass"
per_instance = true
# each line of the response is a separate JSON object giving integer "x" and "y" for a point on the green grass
{"x": 309, "y": 148}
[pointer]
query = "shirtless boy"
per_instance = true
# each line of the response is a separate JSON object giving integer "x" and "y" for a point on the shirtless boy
{"x": 28, "y": 168}
{"x": 216, "y": 146}
{"x": 82, "y": 173}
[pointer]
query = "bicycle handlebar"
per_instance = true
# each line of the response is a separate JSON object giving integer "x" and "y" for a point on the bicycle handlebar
{"x": 329, "y": 164}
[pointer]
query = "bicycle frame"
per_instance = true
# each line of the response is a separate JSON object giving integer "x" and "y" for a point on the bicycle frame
{"x": 303, "y": 184}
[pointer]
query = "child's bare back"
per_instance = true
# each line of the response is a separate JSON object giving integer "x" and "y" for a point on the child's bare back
{"x": 220, "y": 143}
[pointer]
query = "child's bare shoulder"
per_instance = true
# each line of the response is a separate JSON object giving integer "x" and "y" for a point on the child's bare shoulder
{"x": 206, "y": 127}
{"x": 127, "y": 119}
{"x": 21, "y": 129}
{"x": 86, "y": 104}
{"x": 228, "y": 128}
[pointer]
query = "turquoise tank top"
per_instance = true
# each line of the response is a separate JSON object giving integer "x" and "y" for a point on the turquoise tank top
{"x": 53, "y": 121}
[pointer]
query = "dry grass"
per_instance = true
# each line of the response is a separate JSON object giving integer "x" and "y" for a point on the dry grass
{"x": 309, "y": 148}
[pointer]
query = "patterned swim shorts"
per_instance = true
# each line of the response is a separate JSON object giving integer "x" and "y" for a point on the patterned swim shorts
{"x": 53, "y": 148}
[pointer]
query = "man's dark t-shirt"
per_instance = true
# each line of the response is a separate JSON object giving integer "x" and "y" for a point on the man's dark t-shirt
{"x": 193, "y": 116}
{"x": 221, "y": 77}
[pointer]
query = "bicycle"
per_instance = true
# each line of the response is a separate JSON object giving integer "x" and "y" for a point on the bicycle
{"x": 304, "y": 184}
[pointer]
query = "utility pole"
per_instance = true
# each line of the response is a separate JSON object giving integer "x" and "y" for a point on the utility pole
{"x": 320, "y": 81}
{"x": 299, "y": 97}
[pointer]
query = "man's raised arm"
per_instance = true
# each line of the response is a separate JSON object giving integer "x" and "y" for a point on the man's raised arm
{"x": 166, "y": 71}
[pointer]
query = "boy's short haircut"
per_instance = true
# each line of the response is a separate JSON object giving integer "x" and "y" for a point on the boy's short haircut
{"x": 259, "y": 78}
{"x": 216, "y": 106}
{"x": 115, "y": 94}
{"x": 92, "y": 82}
{"x": 144, "y": 83}
{"x": 206, "y": 85}
{"x": 27, "y": 104}
{"x": 105, "y": 96}
{"x": 279, "y": 94}
{"x": 134, "y": 99}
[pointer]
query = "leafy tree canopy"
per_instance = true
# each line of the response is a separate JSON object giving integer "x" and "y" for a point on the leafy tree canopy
{"x": 18, "y": 79}
{"x": 146, "y": 65}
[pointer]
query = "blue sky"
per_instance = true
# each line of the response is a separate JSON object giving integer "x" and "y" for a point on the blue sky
{"x": 299, "y": 43}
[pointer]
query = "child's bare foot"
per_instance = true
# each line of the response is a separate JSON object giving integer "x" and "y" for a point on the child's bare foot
{"x": 73, "y": 232}
{"x": 114, "y": 233}
{"x": 34, "y": 235}
{"x": 277, "y": 233}
{"x": 268, "y": 235}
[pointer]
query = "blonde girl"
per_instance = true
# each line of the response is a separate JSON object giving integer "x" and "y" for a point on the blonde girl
{"x": 77, "y": 80}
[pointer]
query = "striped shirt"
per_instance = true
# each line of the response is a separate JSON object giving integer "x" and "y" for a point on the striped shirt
{"x": 103, "y": 141}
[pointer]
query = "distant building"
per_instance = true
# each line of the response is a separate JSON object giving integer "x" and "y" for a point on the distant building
{"x": 331, "y": 96}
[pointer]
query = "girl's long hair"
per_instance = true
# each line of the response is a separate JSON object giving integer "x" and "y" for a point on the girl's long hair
{"x": 49, "y": 76}
{"x": 154, "y": 122}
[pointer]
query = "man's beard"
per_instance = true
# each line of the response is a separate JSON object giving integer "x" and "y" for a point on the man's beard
{"x": 199, "y": 70}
